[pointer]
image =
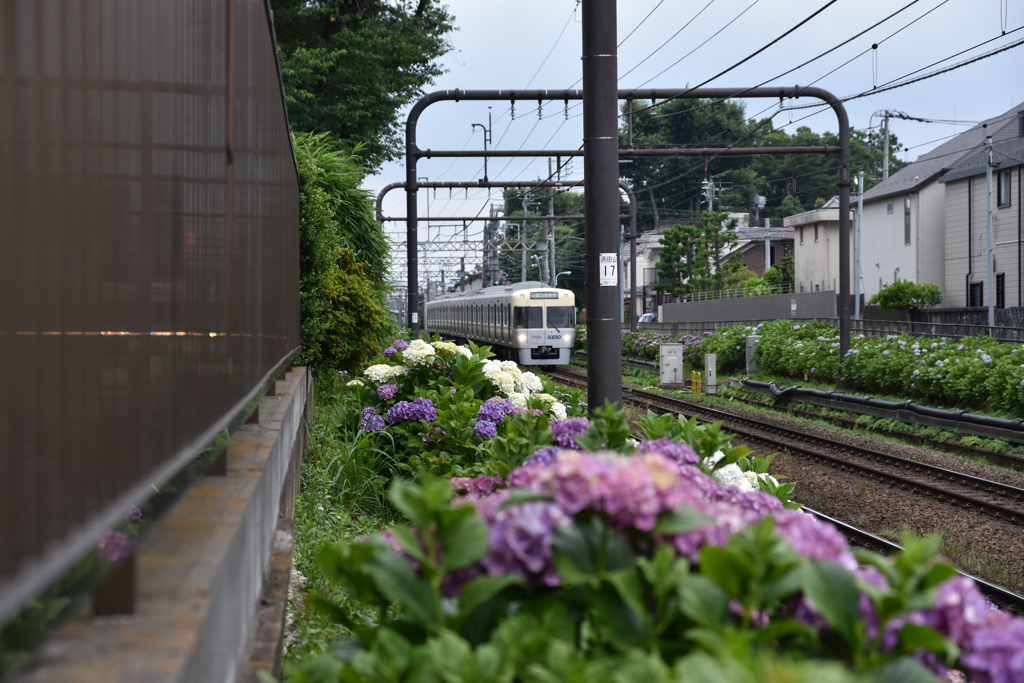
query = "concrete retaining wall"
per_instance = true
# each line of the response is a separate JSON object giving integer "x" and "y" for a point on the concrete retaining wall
{"x": 201, "y": 571}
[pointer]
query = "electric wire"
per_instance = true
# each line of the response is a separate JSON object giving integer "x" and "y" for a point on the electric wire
{"x": 557, "y": 40}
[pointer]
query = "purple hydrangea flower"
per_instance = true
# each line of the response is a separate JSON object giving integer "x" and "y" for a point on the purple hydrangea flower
{"x": 114, "y": 546}
{"x": 679, "y": 453}
{"x": 479, "y": 486}
{"x": 386, "y": 392}
{"x": 390, "y": 351}
{"x": 495, "y": 409}
{"x": 417, "y": 409}
{"x": 401, "y": 344}
{"x": 565, "y": 431}
{"x": 485, "y": 429}
{"x": 133, "y": 514}
{"x": 371, "y": 421}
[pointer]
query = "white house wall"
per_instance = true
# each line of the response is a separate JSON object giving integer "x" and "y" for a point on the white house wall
{"x": 960, "y": 262}
{"x": 929, "y": 235}
{"x": 886, "y": 255}
{"x": 816, "y": 264}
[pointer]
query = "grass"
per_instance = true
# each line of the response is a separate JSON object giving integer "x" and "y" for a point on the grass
{"x": 343, "y": 497}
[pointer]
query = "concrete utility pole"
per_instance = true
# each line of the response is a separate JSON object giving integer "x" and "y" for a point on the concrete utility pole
{"x": 885, "y": 144}
{"x": 860, "y": 224}
{"x": 522, "y": 232}
{"x": 767, "y": 244}
{"x": 601, "y": 197}
{"x": 551, "y": 229}
{"x": 991, "y": 253}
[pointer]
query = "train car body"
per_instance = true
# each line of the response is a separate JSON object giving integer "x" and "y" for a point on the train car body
{"x": 529, "y": 322}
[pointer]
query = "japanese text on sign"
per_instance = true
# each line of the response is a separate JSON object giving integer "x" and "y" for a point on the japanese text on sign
{"x": 609, "y": 265}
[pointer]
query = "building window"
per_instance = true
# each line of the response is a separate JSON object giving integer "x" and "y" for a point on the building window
{"x": 976, "y": 294}
{"x": 1003, "y": 188}
{"x": 815, "y": 233}
{"x": 801, "y": 234}
{"x": 888, "y": 207}
{"x": 1000, "y": 290}
{"x": 906, "y": 221}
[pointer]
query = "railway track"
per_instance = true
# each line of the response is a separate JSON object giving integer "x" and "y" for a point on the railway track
{"x": 1001, "y": 501}
{"x": 968, "y": 492}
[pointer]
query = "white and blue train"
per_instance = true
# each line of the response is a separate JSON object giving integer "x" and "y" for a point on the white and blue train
{"x": 529, "y": 322}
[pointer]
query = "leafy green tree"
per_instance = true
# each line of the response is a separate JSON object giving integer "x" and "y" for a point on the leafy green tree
{"x": 341, "y": 294}
{"x": 349, "y": 66}
{"x": 693, "y": 257}
{"x": 904, "y": 295}
{"x": 790, "y": 206}
{"x": 782, "y": 273}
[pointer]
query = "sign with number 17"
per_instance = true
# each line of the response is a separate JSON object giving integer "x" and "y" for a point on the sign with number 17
{"x": 609, "y": 273}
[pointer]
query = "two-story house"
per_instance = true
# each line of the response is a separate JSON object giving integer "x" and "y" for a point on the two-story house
{"x": 966, "y": 237}
{"x": 904, "y": 219}
{"x": 816, "y": 248}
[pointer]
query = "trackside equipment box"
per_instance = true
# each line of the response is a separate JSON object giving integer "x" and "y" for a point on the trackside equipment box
{"x": 672, "y": 365}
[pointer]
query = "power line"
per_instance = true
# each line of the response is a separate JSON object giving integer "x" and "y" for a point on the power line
{"x": 673, "y": 36}
{"x": 557, "y": 40}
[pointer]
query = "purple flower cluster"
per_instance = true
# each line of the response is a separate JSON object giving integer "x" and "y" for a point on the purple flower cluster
{"x": 371, "y": 421}
{"x": 679, "y": 453}
{"x": 401, "y": 344}
{"x": 485, "y": 429}
{"x": 435, "y": 436}
{"x": 114, "y": 546}
{"x": 565, "y": 431}
{"x": 477, "y": 486}
{"x": 519, "y": 537}
{"x": 491, "y": 413}
{"x": 417, "y": 409}
{"x": 386, "y": 392}
{"x": 390, "y": 351}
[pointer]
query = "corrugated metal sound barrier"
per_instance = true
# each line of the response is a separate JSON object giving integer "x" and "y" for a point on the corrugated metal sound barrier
{"x": 148, "y": 254}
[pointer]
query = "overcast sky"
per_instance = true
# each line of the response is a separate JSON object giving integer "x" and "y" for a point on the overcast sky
{"x": 537, "y": 44}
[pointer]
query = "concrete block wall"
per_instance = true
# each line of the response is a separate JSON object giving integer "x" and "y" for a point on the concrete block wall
{"x": 202, "y": 569}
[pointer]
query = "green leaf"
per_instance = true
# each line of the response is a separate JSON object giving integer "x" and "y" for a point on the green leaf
{"x": 915, "y": 637}
{"x": 464, "y": 541}
{"x": 484, "y": 588}
{"x": 727, "y": 568}
{"x": 704, "y": 602}
{"x": 584, "y": 550}
{"x": 833, "y": 590}
{"x": 397, "y": 581}
{"x": 681, "y": 521}
{"x": 622, "y": 626}
{"x": 906, "y": 670}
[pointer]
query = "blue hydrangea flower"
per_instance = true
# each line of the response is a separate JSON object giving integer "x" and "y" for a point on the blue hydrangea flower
{"x": 418, "y": 409}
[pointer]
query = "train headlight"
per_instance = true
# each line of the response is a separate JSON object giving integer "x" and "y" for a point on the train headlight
{"x": 565, "y": 337}
{"x": 521, "y": 337}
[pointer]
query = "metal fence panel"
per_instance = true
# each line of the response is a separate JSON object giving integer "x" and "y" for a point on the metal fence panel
{"x": 148, "y": 253}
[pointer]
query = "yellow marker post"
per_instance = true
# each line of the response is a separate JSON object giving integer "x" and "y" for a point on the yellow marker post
{"x": 697, "y": 384}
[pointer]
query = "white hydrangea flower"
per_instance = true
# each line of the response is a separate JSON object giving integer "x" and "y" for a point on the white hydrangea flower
{"x": 464, "y": 351}
{"x": 547, "y": 398}
{"x": 505, "y": 383}
{"x": 732, "y": 475}
{"x": 509, "y": 366}
{"x": 448, "y": 348}
{"x": 418, "y": 353}
{"x": 532, "y": 383}
{"x": 355, "y": 383}
{"x": 518, "y": 400}
{"x": 558, "y": 410}
{"x": 382, "y": 372}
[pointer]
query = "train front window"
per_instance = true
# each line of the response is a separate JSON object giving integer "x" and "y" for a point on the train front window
{"x": 530, "y": 317}
{"x": 561, "y": 317}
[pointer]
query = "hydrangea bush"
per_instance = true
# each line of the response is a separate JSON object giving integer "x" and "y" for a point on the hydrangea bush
{"x": 605, "y": 567}
{"x": 976, "y": 373}
{"x": 436, "y": 404}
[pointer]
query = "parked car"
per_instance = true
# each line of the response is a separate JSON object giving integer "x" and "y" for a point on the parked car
{"x": 648, "y": 318}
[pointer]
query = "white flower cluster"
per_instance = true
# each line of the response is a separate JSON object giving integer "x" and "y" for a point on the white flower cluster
{"x": 355, "y": 383}
{"x": 509, "y": 379}
{"x": 556, "y": 409}
{"x": 447, "y": 348}
{"x": 732, "y": 475}
{"x": 418, "y": 353}
{"x": 504, "y": 382}
{"x": 382, "y": 373}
